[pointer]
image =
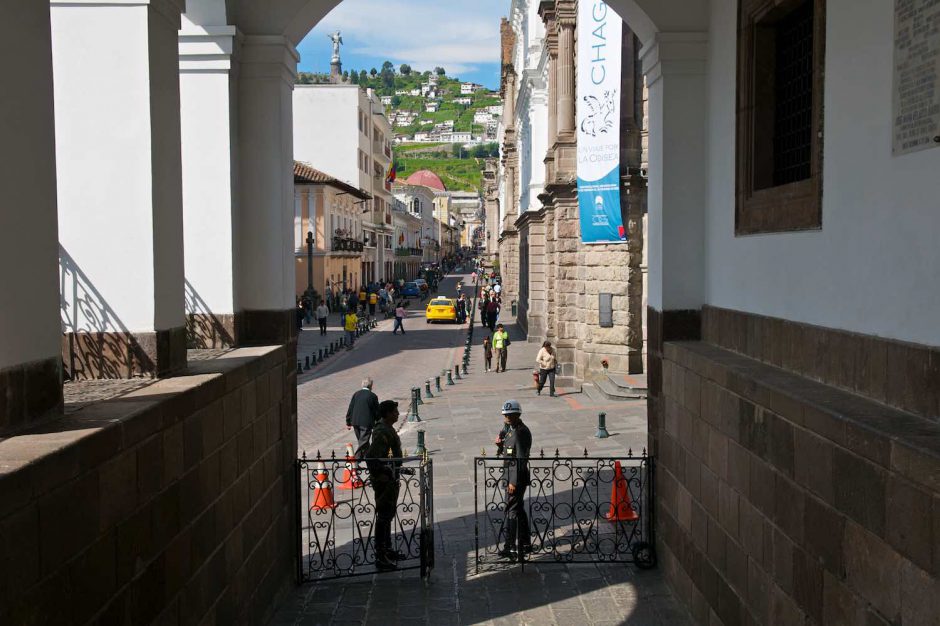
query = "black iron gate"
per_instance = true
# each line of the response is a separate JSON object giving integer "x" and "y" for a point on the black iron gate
{"x": 337, "y": 518}
{"x": 580, "y": 509}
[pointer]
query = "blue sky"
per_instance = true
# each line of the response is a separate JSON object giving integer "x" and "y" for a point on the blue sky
{"x": 462, "y": 36}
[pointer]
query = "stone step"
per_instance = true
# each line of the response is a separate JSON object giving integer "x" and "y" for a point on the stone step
{"x": 619, "y": 386}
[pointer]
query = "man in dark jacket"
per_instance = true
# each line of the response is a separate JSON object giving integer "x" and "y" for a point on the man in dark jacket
{"x": 384, "y": 468}
{"x": 361, "y": 416}
{"x": 516, "y": 445}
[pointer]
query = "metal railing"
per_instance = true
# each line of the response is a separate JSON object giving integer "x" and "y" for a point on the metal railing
{"x": 337, "y": 520}
{"x": 580, "y": 509}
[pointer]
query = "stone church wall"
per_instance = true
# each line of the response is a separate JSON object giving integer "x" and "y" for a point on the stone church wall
{"x": 788, "y": 491}
{"x": 173, "y": 503}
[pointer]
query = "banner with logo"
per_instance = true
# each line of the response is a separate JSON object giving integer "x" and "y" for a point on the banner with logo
{"x": 598, "y": 119}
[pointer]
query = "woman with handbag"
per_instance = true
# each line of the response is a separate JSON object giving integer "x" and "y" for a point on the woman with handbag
{"x": 547, "y": 363}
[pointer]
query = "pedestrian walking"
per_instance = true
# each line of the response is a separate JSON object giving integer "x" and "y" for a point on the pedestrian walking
{"x": 501, "y": 345}
{"x": 399, "y": 319}
{"x": 492, "y": 311}
{"x": 350, "y": 327}
{"x": 487, "y": 354}
{"x": 299, "y": 315}
{"x": 516, "y": 444}
{"x": 546, "y": 363}
{"x": 361, "y": 415}
{"x": 384, "y": 462}
{"x": 322, "y": 314}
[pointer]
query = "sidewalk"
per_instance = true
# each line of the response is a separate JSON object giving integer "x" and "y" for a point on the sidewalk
{"x": 459, "y": 423}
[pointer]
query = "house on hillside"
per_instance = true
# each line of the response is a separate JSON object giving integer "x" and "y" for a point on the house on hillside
{"x": 386, "y": 100}
{"x": 456, "y": 137}
{"x": 415, "y": 92}
{"x": 431, "y": 107}
{"x": 482, "y": 117}
{"x": 467, "y": 89}
{"x": 464, "y": 100}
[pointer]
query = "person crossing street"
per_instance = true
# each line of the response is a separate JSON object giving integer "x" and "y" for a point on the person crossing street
{"x": 361, "y": 415}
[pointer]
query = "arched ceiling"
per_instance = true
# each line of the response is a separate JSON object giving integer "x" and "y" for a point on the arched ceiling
{"x": 295, "y": 18}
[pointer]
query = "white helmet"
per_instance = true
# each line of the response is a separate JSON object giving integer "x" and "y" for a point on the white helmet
{"x": 512, "y": 406}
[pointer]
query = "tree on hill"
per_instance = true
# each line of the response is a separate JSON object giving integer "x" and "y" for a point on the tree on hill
{"x": 363, "y": 77}
{"x": 388, "y": 66}
{"x": 396, "y": 100}
{"x": 354, "y": 77}
{"x": 373, "y": 72}
{"x": 405, "y": 69}
{"x": 439, "y": 71}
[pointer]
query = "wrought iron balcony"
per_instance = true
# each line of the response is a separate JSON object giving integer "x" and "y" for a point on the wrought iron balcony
{"x": 344, "y": 244}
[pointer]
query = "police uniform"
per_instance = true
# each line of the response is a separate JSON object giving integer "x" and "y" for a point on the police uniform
{"x": 517, "y": 443}
{"x": 384, "y": 477}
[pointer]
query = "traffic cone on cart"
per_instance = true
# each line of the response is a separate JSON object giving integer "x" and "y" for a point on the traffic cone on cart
{"x": 351, "y": 478}
{"x": 323, "y": 490}
{"x": 621, "y": 509}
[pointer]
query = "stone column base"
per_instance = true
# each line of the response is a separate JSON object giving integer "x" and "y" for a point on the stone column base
{"x": 30, "y": 392}
{"x": 102, "y": 355}
{"x": 265, "y": 328}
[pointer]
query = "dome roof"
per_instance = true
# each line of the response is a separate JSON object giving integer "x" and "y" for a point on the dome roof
{"x": 427, "y": 178}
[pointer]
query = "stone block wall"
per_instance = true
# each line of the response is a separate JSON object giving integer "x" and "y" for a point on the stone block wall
{"x": 784, "y": 500}
{"x": 172, "y": 504}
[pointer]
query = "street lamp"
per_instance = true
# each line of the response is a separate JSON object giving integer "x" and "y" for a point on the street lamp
{"x": 309, "y": 293}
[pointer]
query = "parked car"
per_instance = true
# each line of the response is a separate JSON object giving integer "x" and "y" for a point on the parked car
{"x": 411, "y": 290}
{"x": 441, "y": 310}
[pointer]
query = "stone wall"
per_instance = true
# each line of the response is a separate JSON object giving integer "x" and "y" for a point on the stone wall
{"x": 509, "y": 265}
{"x": 784, "y": 500}
{"x": 173, "y": 503}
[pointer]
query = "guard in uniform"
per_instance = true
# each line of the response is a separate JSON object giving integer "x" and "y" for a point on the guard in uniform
{"x": 516, "y": 445}
{"x": 384, "y": 462}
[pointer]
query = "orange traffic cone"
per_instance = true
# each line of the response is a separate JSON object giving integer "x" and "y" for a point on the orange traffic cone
{"x": 351, "y": 478}
{"x": 323, "y": 491}
{"x": 621, "y": 509}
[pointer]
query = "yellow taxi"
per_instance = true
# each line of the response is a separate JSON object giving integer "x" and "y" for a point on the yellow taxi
{"x": 441, "y": 310}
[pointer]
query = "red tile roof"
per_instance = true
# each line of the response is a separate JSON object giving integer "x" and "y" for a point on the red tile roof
{"x": 305, "y": 174}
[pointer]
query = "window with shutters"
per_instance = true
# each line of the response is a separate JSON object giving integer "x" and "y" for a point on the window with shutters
{"x": 781, "y": 50}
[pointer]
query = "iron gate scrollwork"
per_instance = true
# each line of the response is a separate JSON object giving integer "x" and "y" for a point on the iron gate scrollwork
{"x": 337, "y": 518}
{"x": 580, "y": 509}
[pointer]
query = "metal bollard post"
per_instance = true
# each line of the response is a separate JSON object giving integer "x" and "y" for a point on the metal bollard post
{"x": 321, "y": 354}
{"x": 427, "y": 389}
{"x": 450, "y": 379}
{"x": 421, "y": 449}
{"x": 464, "y": 368}
{"x": 601, "y": 426}
{"x": 437, "y": 384}
{"x": 300, "y": 368}
{"x": 413, "y": 413}
{"x": 416, "y": 392}
{"x": 457, "y": 372}
{"x": 306, "y": 363}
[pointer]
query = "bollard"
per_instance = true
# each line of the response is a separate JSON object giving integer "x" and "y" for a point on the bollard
{"x": 421, "y": 449}
{"x": 437, "y": 384}
{"x": 321, "y": 354}
{"x": 450, "y": 379}
{"x": 464, "y": 368}
{"x": 427, "y": 389}
{"x": 601, "y": 426}
{"x": 413, "y": 412}
{"x": 457, "y": 372}
{"x": 300, "y": 368}
{"x": 416, "y": 392}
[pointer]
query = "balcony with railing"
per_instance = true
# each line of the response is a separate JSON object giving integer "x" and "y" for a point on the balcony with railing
{"x": 347, "y": 245}
{"x": 405, "y": 251}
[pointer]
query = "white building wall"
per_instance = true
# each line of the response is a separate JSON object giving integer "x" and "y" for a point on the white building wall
{"x": 326, "y": 130}
{"x": 873, "y": 266}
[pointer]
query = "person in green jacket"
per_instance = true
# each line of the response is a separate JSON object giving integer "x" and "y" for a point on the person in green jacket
{"x": 501, "y": 346}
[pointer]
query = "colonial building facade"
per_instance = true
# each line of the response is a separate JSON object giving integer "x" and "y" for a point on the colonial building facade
{"x": 557, "y": 280}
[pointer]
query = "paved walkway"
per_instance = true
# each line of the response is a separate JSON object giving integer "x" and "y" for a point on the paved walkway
{"x": 460, "y": 423}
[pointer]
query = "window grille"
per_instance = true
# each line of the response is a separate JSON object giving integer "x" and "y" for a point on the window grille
{"x": 793, "y": 96}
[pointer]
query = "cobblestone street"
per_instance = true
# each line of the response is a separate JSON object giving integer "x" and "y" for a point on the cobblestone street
{"x": 460, "y": 423}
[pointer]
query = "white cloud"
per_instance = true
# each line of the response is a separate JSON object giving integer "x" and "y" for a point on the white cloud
{"x": 454, "y": 34}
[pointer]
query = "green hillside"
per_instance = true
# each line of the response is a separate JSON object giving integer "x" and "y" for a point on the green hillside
{"x": 459, "y": 168}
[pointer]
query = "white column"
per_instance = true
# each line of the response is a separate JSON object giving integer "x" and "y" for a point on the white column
{"x": 264, "y": 237}
{"x": 205, "y": 62}
{"x": 117, "y": 122}
{"x": 674, "y": 65}
{"x": 29, "y": 300}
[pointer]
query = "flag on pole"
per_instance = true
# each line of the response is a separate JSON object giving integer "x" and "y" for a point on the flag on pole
{"x": 391, "y": 174}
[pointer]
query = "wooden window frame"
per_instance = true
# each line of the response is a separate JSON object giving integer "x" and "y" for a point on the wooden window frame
{"x": 794, "y": 206}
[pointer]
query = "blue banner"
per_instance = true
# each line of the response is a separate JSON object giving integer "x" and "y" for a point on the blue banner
{"x": 598, "y": 117}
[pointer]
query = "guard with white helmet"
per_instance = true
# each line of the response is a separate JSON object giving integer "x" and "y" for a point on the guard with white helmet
{"x": 516, "y": 440}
